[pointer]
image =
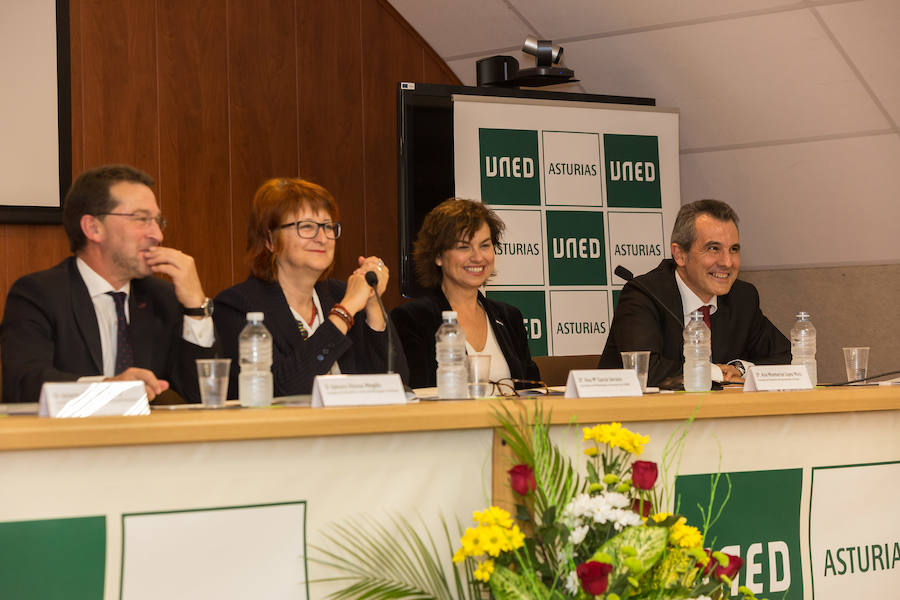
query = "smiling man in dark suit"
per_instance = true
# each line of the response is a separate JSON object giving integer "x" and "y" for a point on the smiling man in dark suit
{"x": 703, "y": 270}
{"x": 100, "y": 314}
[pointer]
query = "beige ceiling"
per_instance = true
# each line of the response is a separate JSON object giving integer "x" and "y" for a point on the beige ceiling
{"x": 787, "y": 107}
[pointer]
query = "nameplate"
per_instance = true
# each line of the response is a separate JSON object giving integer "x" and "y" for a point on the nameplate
{"x": 357, "y": 390}
{"x": 602, "y": 383}
{"x": 772, "y": 378}
{"x": 93, "y": 399}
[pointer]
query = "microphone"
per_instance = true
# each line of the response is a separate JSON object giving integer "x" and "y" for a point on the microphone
{"x": 372, "y": 280}
{"x": 629, "y": 276}
{"x": 869, "y": 378}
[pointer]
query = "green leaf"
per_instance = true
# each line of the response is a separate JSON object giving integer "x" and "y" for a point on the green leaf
{"x": 522, "y": 513}
{"x": 506, "y": 585}
{"x": 650, "y": 543}
{"x": 380, "y": 562}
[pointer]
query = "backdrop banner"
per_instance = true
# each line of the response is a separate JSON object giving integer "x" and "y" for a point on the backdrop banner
{"x": 582, "y": 188}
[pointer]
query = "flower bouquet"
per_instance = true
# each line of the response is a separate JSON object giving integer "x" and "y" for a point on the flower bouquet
{"x": 601, "y": 535}
{"x": 594, "y": 538}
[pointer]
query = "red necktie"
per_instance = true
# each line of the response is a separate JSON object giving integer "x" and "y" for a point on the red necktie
{"x": 705, "y": 310}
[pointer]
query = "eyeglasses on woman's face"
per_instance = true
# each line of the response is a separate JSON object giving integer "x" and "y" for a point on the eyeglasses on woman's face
{"x": 309, "y": 229}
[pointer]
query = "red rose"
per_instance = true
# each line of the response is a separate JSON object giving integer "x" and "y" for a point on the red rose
{"x": 644, "y": 474}
{"x": 734, "y": 565}
{"x": 712, "y": 564}
{"x": 521, "y": 479}
{"x": 594, "y": 576}
{"x": 647, "y": 507}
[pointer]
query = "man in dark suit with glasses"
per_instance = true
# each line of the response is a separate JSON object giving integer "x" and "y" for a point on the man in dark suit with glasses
{"x": 100, "y": 315}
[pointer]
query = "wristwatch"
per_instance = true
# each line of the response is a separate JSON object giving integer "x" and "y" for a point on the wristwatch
{"x": 205, "y": 309}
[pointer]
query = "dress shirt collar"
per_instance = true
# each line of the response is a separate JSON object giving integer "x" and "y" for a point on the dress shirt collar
{"x": 690, "y": 301}
{"x": 96, "y": 284}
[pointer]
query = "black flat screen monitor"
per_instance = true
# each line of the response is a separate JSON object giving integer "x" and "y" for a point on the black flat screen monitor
{"x": 425, "y": 137}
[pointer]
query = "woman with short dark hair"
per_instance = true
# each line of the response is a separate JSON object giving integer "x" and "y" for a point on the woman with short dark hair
{"x": 454, "y": 257}
{"x": 318, "y": 325}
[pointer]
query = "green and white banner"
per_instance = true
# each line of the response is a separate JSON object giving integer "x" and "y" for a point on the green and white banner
{"x": 854, "y": 537}
{"x": 582, "y": 188}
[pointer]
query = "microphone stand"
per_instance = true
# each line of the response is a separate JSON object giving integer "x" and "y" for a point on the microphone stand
{"x": 860, "y": 380}
{"x": 372, "y": 280}
{"x": 629, "y": 277}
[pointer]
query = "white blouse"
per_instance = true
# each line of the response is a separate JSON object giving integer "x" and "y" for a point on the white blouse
{"x": 499, "y": 368}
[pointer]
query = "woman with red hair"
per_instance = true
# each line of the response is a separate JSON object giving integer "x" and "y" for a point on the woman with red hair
{"x": 318, "y": 325}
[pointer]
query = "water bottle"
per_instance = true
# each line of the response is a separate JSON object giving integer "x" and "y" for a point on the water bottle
{"x": 255, "y": 379}
{"x": 803, "y": 345}
{"x": 697, "y": 373}
{"x": 450, "y": 348}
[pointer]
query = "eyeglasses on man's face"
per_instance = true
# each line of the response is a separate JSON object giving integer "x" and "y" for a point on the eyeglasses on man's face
{"x": 310, "y": 229}
{"x": 144, "y": 218}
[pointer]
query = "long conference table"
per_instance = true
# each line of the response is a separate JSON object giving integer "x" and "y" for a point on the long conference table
{"x": 239, "y": 503}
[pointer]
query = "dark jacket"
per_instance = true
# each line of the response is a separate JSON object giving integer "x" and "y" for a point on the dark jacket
{"x": 50, "y": 333}
{"x": 295, "y": 361}
{"x": 418, "y": 320}
{"x": 739, "y": 328}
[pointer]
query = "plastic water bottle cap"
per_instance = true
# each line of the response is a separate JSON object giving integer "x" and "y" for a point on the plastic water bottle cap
{"x": 802, "y": 316}
{"x": 255, "y": 316}
{"x": 448, "y": 314}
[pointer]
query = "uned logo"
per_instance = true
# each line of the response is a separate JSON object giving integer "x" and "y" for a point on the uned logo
{"x": 509, "y": 166}
{"x": 760, "y": 523}
{"x": 632, "y": 171}
{"x": 533, "y": 306}
{"x": 577, "y": 247}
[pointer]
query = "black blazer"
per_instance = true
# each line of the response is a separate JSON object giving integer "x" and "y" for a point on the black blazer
{"x": 50, "y": 333}
{"x": 418, "y": 320}
{"x": 739, "y": 328}
{"x": 295, "y": 361}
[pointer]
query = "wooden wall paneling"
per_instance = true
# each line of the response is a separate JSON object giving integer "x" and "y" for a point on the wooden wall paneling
{"x": 329, "y": 51}
{"x": 193, "y": 114}
{"x": 262, "y": 72}
{"x": 32, "y": 248}
{"x": 29, "y": 248}
{"x": 437, "y": 71}
{"x": 119, "y": 85}
{"x": 393, "y": 54}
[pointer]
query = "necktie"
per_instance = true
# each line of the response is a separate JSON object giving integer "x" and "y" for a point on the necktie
{"x": 705, "y": 310}
{"x": 124, "y": 353}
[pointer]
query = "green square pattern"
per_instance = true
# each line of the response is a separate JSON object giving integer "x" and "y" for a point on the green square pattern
{"x": 534, "y": 311}
{"x": 510, "y": 166}
{"x": 762, "y": 518}
{"x": 53, "y": 559}
{"x": 576, "y": 253}
{"x": 632, "y": 171}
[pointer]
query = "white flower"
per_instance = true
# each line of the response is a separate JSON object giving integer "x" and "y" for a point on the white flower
{"x": 579, "y": 533}
{"x": 609, "y": 507}
{"x": 572, "y": 583}
{"x": 617, "y": 500}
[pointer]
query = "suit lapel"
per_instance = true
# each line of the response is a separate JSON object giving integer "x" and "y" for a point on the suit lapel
{"x": 718, "y": 325}
{"x": 86, "y": 317}
{"x": 140, "y": 309}
{"x": 278, "y": 316}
